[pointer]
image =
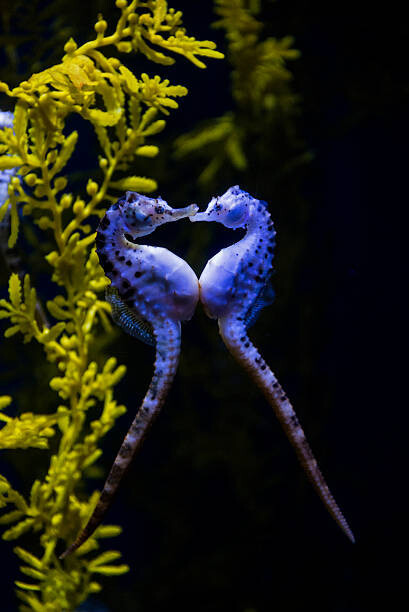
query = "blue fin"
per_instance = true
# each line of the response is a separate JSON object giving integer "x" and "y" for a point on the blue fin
{"x": 127, "y": 319}
{"x": 265, "y": 298}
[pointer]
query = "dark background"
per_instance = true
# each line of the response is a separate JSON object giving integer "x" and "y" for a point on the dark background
{"x": 217, "y": 513}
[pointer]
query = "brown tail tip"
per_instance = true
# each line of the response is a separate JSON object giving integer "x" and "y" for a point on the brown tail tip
{"x": 349, "y": 534}
{"x": 69, "y": 550}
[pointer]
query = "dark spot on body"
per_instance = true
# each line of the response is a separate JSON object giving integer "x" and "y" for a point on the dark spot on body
{"x": 103, "y": 501}
{"x": 121, "y": 258}
{"x": 128, "y": 262}
{"x": 307, "y": 449}
{"x": 125, "y": 449}
{"x": 115, "y": 474}
{"x": 125, "y": 284}
{"x": 138, "y": 274}
{"x": 127, "y": 294}
{"x": 105, "y": 222}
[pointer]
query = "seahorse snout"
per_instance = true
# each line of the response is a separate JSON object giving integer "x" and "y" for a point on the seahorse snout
{"x": 181, "y": 213}
{"x": 202, "y": 216}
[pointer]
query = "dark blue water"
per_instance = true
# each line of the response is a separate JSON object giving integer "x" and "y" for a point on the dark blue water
{"x": 217, "y": 514}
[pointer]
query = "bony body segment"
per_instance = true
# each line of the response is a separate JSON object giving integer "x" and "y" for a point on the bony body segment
{"x": 152, "y": 290}
{"x": 234, "y": 286}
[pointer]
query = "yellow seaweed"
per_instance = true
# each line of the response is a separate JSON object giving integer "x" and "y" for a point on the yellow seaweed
{"x": 260, "y": 87}
{"x": 125, "y": 112}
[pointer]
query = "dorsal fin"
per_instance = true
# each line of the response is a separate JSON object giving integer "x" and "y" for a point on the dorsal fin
{"x": 127, "y": 319}
{"x": 265, "y": 298}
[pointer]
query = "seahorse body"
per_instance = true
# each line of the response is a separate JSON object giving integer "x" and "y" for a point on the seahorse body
{"x": 152, "y": 291}
{"x": 234, "y": 286}
{"x": 10, "y": 255}
{"x": 126, "y": 318}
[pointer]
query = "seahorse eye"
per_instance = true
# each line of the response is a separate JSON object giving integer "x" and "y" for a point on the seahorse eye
{"x": 139, "y": 216}
{"x": 236, "y": 213}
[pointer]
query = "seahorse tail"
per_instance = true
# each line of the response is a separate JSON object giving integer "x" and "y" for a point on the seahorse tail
{"x": 167, "y": 334}
{"x": 235, "y": 337}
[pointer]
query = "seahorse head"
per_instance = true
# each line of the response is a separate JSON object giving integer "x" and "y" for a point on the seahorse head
{"x": 233, "y": 209}
{"x": 142, "y": 215}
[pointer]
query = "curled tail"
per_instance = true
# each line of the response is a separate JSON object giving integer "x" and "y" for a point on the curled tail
{"x": 239, "y": 345}
{"x": 167, "y": 335}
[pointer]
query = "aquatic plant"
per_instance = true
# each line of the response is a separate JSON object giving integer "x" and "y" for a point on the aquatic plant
{"x": 125, "y": 112}
{"x": 263, "y": 101}
{"x": 24, "y": 47}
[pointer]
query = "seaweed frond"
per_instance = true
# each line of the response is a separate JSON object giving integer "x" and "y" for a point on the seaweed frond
{"x": 126, "y": 113}
{"x": 260, "y": 88}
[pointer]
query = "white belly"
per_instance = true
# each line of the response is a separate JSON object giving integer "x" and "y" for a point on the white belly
{"x": 217, "y": 283}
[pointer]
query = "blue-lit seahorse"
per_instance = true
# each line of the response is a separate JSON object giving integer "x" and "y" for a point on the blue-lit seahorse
{"x": 234, "y": 287}
{"x": 152, "y": 291}
{"x": 10, "y": 255}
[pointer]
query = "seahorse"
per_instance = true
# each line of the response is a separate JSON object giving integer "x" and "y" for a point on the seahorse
{"x": 11, "y": 256}
{"x": 234, "y": 286}
{"x": 152, "y": 290}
